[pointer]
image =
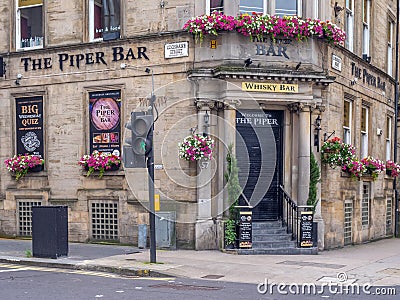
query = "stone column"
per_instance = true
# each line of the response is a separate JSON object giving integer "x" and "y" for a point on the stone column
{"x": 206, "y": 236}
{"x": 304, "y": 154}
{"x": 229, "y": 138}
{"x": 318, "y": 213}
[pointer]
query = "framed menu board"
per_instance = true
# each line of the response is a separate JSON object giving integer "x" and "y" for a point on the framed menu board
{"x": 29, "y": 125}
{"x": 245, "y": 229}
{"x": 105, "y": 121}
{"x": 306, "y": 229}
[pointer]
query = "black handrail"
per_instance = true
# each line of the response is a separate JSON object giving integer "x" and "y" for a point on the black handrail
{"x": 289, "y": 214}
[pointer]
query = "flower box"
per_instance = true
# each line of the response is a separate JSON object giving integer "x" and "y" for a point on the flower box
{"x": 258, "y": 26}
{"x": 100, "y": 161}
{"x": 20, "y": 165}
{"x": 35, "y": 169}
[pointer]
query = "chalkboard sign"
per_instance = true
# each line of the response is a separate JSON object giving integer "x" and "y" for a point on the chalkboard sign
{"x": 245, "y": 228}
{"x": 306, "y": 229}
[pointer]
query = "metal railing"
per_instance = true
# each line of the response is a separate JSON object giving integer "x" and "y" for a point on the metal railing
{"x": 289, "y": 214}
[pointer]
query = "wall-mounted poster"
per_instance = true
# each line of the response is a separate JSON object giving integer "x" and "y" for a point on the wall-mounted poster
{"x": 29, "y": 125}
{"x": 105, "y": 121}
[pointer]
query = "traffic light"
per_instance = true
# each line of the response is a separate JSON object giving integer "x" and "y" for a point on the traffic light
{"x": 140, "y": 144}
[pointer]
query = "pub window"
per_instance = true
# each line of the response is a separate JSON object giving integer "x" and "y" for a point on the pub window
{"x": 347, "y": 118}
{"x": 390, "y": 47}
{"x": 366, "y": 26}
{"x": 214, "y": 5}
{"x": 364, "y": 132}
{"x": 349, "y": 24}
{"x": 388, "y": 138}
{"x": 316, "y": 9}
{"x": 104, "y": 20}
{"x": 365, "y": 203}
{"x": 287, "y": 8}
{"x": 278, "y": 7}
{"x": 250, "y": 6}
{"x": 29, "y": 24}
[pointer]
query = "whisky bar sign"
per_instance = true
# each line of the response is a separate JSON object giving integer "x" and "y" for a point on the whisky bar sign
{"x": 270, "y": 87}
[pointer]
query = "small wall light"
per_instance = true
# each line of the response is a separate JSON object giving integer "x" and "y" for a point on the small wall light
{"x": 19, "y": 77}
{"x": 206, "y": 123}
{"x": 317, "y": 129}
{"x": 337, "y": 9}
{"x": 248, "y": 62}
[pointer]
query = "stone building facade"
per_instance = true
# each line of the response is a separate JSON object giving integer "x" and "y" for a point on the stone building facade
{"x": 60, "y": 60}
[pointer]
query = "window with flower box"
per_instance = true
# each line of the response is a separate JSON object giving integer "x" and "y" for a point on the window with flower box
{"x": 316, "y": 9}
{"x": 349, "y": 24}
{"x": 214, "y": 5}
{"x": 347, "y": 119}
{"x": 366, "y": 26}
{"x": 278, "y": 7}
{"x": 287, "y": 8}
{"x": 388, "y": 138}
{"x": 29, "y": 24}
{"x": 364, "y": 132}
{"x": 104, "y": 20}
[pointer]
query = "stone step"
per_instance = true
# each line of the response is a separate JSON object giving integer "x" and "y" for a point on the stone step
{"x": 274, "y": 244}
{"x": 267, "y": 225}
{"x": 279, "y": 251}
{"x": 269, "y": 231}
{"x": 271, "y": 237}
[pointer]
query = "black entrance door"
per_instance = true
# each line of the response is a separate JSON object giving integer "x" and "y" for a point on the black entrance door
{"x": 259, "y": 155}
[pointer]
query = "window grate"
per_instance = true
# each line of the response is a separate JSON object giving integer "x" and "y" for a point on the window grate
{"x": 365, "y": 201}
{"x": 25, "y": 217}
{"x": 104, "y": 217}
{"x": 389, "y": 213}
{"x": 348, "y": 222}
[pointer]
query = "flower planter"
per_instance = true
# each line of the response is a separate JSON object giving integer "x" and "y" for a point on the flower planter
{"x": 389, "y": 172}
{"x": 112, "y": 168}
{"x": 38, "y": 168}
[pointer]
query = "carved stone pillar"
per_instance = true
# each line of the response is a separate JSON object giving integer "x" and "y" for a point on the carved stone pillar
{"x": 304, "y": 149}
{"x": 205, "y": 226}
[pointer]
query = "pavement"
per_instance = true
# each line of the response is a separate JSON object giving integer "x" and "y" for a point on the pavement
{"x": 376, "y": 263}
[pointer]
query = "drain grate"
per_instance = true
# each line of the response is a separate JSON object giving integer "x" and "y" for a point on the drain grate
{"x": 212, "y": 276}
{"x": 186, "y": 287}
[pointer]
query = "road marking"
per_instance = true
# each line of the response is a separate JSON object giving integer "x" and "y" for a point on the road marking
{"x": 15, "y": 268}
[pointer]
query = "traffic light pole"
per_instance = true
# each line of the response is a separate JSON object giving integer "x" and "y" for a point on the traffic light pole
{"x": 150, "y": 168}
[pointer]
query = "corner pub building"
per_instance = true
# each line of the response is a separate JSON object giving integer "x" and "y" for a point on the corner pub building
{"x": 73, "y": 71}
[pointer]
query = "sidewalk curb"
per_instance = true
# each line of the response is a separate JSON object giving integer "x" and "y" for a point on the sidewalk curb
{"x": 88, "y": 267}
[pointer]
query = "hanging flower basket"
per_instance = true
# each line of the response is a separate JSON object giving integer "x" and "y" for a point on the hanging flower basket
{"x": 336, "y": 153}
{"x": 100, "y": 161}
{"x": 195, "y": 147}
{"x": 22, "y": 164}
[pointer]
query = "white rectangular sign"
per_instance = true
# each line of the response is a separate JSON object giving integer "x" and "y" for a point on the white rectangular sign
{"x": 336, "y": 63}
{"x": 179, "y": 49}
